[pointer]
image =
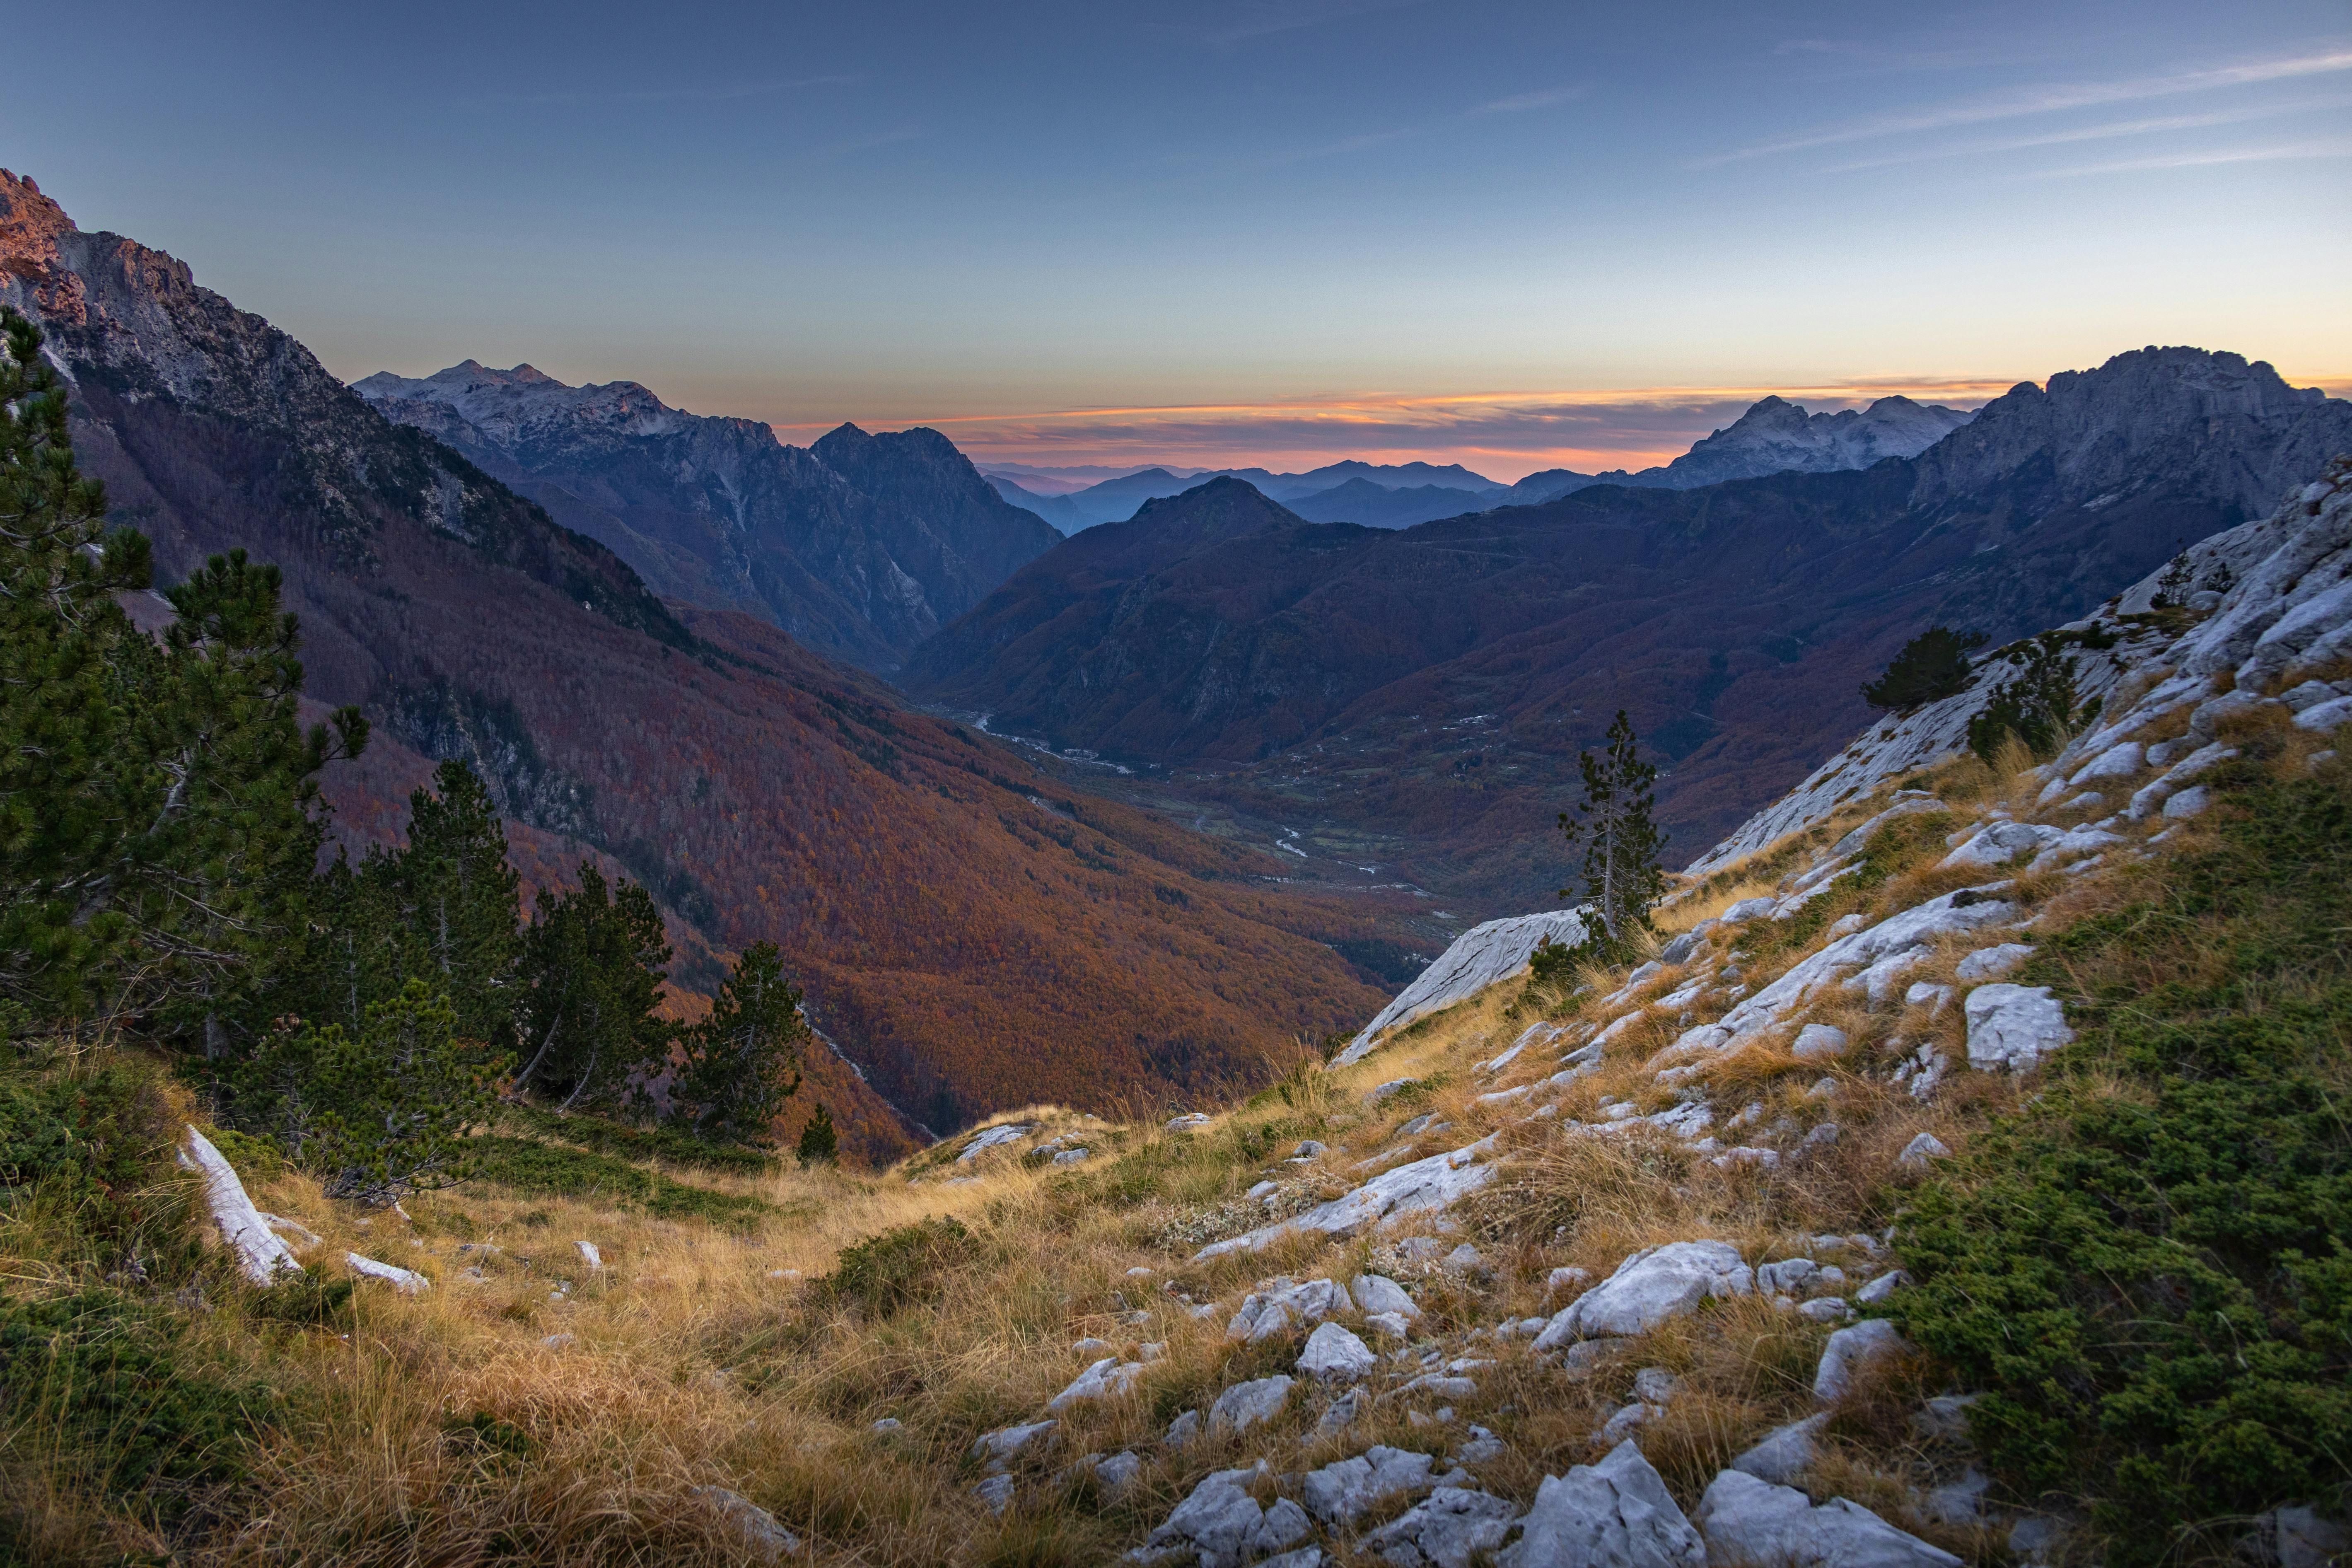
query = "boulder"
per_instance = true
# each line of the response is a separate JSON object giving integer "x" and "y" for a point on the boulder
{"x": 1753, "y": 1523}
{"x": 1220, "y": 1525}
{"x": 1652, "y": 1286}
{"x": 753, "y": 1526}
{"x": 1343, "y": 1492}
{"x": 1850, "y": 1353}
{"x": 2014, "y": 1027}
{"x": 1333, "y": 1352}
{"x": 2117, "y": 762}
{"x": 1106, "y": 1379}
{"x": 1787, "y": 1276}
{"x": 1379, "y": 1293}
{"x": 1183, "y": 1429}
{"x": 1819, "y": 1043}
{"x": 1921, "y": 1152}
{"x": 1005, "y": 1444}
{"x": 260, "y": 1255}
{"x": 1999, "y": 843}
{"x": 994, "y": 1491}
{"x": 1992, "y": 963}
{"x": 1247, "y": 1405}
{"x": 1785, "y": 1453}
{"x": 1614, "y": 1514}
{"x": 1453, "y": 1527}
{"x": 989, "y": 1138}
{"x": 2191, "y": 802}
{"x": 406, "y": 1281}
{"x": 1880, "y": 1289}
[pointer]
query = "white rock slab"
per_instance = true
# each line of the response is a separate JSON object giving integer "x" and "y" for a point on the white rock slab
{"x": 989, "y": 1138}
{"x": 1333, "y": 1352}
{"x": 1419, "y": 1187}
{"x": 1651, "y": 1287}
{"x": 1247, "y": 1405}
{"x": 1851, "y": 1352}
{"x": 1221, "y": 1526}
{"x": 261, "y": 1256}
{"x": 1106, "y": 1379}
{"x": 1964, "y": 910}
{"x": 1006, "y": 1443}
{"x": 1785, "y": 1453}
{"x": 1749, "y": 1520}
{"x": 2014, "y": 1027}
{"x": 1453, "y": 1527}
{"x": 1992, "y": 963}
{"x": 1379, "y": 1293}
{"x": 1482, "y": 956}
{"x": 1615, "y": 1514}
{"x": 408, "y": 1283}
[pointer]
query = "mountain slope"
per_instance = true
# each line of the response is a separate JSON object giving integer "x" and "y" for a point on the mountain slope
{"x": 970, "y": 938}
{"x": 1057, "y": 509}
{"x": 860, "y": 546}
{"x": 1431, "y": 687}
{"x": 1377, "y": 506}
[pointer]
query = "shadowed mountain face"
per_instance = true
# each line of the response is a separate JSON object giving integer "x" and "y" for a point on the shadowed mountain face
{"x": 1433, "y": 686}
{"x": 971, "y": 937}
{"x": 860, "y": 546}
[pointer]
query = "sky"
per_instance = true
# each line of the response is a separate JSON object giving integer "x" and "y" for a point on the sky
{"x": 1278, "y": 232}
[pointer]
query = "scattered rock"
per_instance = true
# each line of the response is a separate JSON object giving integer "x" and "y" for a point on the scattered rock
{"x": 2117, "y": 762}
{"x": 1850, "y": 1353}
{"x": 754, "y": 1526}
{"x": 1190, "y": 1121}
{"x": 1072, "y": 1156}
{"x": 1343, "y": 1492}
{"x": 1825, "y": 1310}
{"x": 560, "y": 1341}
{"x": 2014, "y": 1027}
{"x": 1224, "y": 1527}
{"x": 1746, "y": 910}
{"x": 1652, "y": 1286}
{"x": 1420, "y": 1186}
{"x": 888, "y": 1424}
{"x": 406, "y": 1281}
{"x": 1817, "y": 1043}
{"x": 1464, "y": 1259}
{"x": 997, "y": 1137}
{"x": 1992, "y": 963}
{"x": 1090, "y": 1349}
{"x": 1247, "y": 1405}
{"x": 1880, "y": 1289}
{"x": 996, "y": 1491}
{"x": 1928, "y": 994}
{"x": 1784, "y": 1453}
{"x": 1453, "y": 1527}
{"x": 1183, "y": 1429}
{"x": 1106, "y": 1379}
{"x": 1999, "y": 843}
{"x": 1309, "y": 1150}
{"x": 2297, "y": 1538}
{"x": 260, "y": 1255}
{"x": 1333, "y": 1352}
{"x": 1483, "y": 1447}
{"x": 1379, "y": 1293}
{"x": 1276, "y": 1304}
{"x": 2189, "y": 802}
{"x": 1946, "y": 1416}
{"x": 1115, "y": 1474}
{"x": 1748, "y": 1520}
{"x": 1787, "y": 1276}
{"x": 1614, "y": 1514}
{"x": 1002, "y": 1446}
{"x": 1341, "y": 1412}
{"x": 1623, "y": 1423}
{"x": 1567, "y": 1278}
{"x": 590, "y": 1255}
{"x": 1921, "y": 1152}
{"x": 1395, "y": 1324}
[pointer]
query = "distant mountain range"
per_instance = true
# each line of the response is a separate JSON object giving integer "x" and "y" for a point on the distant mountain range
{"x": 1773, "y": 437}
{"x": 973, "y": 935}
{"x": 1432, "y": 685}
{"x": 860, "y": 546}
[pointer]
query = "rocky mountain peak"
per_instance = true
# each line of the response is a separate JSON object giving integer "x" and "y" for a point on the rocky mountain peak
{"x": 31, "y": 226}
{"x": 1776, "y": 436}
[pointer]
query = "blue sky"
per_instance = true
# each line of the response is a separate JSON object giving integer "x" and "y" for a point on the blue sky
{"x": 1243, "y": 230}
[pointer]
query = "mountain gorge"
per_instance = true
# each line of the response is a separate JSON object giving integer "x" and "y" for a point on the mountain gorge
{"x": 972, "y": 936}
{"x": 1420, "y": 695}
{"x": 860, "y": 546}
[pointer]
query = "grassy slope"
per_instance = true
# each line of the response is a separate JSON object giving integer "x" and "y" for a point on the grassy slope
{"x": 462, "y": 1426}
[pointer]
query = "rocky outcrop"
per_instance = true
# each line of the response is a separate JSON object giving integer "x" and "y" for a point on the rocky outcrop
{"x": 1479, "y": 958}
{"x": 860, "y": 547}
{"x": 1776, "y": 437}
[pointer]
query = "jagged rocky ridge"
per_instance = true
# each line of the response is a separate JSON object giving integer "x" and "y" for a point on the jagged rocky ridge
{"x": 860, "y": 546}
{"x": 1422, "y": 693}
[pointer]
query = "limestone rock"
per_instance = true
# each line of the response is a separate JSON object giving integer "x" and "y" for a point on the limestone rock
{"x": 1106, "y": 1379}
{"x": 995, "y": 1491}
{"x": 1449, "y": 1529}
{"x": 997, "y": 1137}
{"x": 1479, "y": 958}
{"x": 1819, "y": 1043}
{"x": 1999, "y": 843}
{"x": 1006, "y": 1444}
{"x": 1785, "y": 1453}
{"x": 1379, "y": 1293}
{"x": 1853, "y": 1351}
{"x": 260, "y": 1255}
{"x": 1342, "y": 1492}
{"x": 406, "y": 1281}
{"x": 1220, "y": 1525}
{"x": 1752, "y": 1521}
{"x": 2014, "y": 1027}
{"x": 1247, "y": 1405}
{"x": 754, "y": 1526}
{"x": 1992, "y": 963}
{"x": 1652, "y": 1286}
{"x": 1333, "y": 1352}
{"x": 1418, "y": 1187}
{"x": 1964, "y": 910}
{"x": 1921, "y": 1152}
{"x": 1615, "y": 1514}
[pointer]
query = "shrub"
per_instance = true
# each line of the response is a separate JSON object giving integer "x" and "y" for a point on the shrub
{"x": 900, "y": 1269}
{"x": 819, "y": 1141}
{"x": 1932, "y": 665}
{"x": 86, "y": 1155}
{"x": 2039, "y": 705}
{"x": 544, "y": 1168}
{"x": 103, "y": 1392}
{"x": 2153, "y": 1288}
{"x": 653, "y": 1143}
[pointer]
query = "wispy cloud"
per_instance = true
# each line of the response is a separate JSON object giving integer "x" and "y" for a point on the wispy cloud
{"x": 2050, "y": 99}
{"x": 890, "y": 138}
{"x": 710, "y": 94}
{"x": 1340, "y": 148}
{"x": 2342, "y": 149}
{"x": 1521, "y": 102}
{"x": 1879, "y": 56}
{"x": 2090, "y": 133}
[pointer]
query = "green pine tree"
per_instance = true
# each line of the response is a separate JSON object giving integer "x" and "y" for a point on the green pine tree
{"x": 1620, "y": 843}
{"x": 159, "y": 809}
{"x": 382, "y": 1110}
{"x": 592, "y": 965}
{"x": 742, "y": 1062}
{"x": 1932, "y": 665}
{"x": 819, "y": 1142}
{"x": 2041, "y": 705}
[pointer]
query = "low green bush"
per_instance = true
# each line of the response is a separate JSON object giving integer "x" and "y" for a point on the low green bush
{"x": 87, "y": 1168}
{"x": 665, "y": 1143}
{"x": 900, "y": 1269}
{"x": 2145, "y": 1271}
{"x": 557, "y": 1171}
